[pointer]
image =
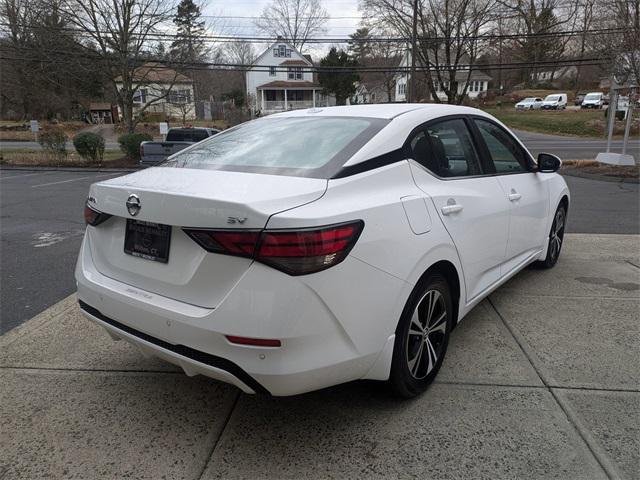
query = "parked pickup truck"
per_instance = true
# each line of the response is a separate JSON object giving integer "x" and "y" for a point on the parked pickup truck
{"x": 152, "y": 153}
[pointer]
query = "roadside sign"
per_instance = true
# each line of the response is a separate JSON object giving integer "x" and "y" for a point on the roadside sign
{"x": 164, "y": 128}
{"x": 34, "y": 126}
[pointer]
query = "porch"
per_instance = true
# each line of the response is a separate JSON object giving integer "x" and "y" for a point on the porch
{"x": 278, "y": 99}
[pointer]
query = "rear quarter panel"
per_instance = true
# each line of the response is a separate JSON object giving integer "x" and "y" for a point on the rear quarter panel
{"x": 368, "y": 305}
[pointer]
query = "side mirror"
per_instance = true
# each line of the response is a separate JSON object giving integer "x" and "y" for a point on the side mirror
{"x": 548, "y": 163}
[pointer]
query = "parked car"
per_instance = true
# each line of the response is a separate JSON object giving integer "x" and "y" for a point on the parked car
{"x": 152, "y": 153}
{"x": 577, "y": 101}
{"x": 555, "y": 101}
{"x": 259, "y": 261}
{"x": 529, "y": 103}
{"x": 593, "y": 100}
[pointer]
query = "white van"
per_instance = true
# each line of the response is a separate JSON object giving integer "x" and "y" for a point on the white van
{"x": 593, "y": 100}
{"x": 555, "y": 101}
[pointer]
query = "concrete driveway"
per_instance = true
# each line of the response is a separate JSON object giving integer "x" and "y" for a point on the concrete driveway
{"x": 541, "y": 381}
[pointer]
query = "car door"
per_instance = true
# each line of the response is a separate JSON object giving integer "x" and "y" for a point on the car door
{"x": 526, "y": 191}
{"x": 471, "y": 205}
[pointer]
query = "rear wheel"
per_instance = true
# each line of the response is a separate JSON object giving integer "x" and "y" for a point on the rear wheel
{"x": 422, "y": 337}
{"x": 556, "y": 237}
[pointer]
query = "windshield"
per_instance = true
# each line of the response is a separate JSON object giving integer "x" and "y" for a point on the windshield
{"x": 552, "y": 98}
{"x": 593, "y": 96}
{"x": 299, "y": 146}
{"x": 528, "y": 100}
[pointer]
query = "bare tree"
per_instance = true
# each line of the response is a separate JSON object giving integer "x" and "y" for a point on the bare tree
{"x": 241, "y": 53}
{"x": 294, "y": 20}
{"x": 122, "y": 31}
{"x": 623, "y": 49}
{"x": 447, "y": 33}
{"x": 537, "y": 21}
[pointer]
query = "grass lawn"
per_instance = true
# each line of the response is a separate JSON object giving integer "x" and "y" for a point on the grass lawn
{"x": 581, "y": 123}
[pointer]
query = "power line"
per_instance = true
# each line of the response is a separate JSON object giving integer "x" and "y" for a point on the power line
{"x": 271, "y": 39}
{"x": 322, "y": 69}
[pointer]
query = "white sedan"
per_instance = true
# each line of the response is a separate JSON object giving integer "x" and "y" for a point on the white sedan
{"x": 315, "y": 247}
{"x": 529, "y": 103}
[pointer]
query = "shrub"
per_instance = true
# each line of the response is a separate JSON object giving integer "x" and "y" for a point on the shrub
{"x": 90, "y": 146}
{"x": 130, "y": 143}
{"x": 54, "y": 142}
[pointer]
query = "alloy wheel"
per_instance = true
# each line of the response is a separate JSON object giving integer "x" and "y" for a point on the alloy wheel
{"x": 557, "y": 233}
{"x": 426, "y": 334}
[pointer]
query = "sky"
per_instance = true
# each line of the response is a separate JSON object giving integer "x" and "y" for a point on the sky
{"x": 337, "y": 26}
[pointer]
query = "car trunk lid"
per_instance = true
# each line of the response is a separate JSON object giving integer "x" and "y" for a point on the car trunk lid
{"x": 186, "y": 198}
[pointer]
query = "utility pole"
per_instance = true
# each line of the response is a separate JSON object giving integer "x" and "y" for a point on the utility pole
{"x": 414, "y": 34}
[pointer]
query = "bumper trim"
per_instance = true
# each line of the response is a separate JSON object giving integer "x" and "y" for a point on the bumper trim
{"x": 190, "y": 353}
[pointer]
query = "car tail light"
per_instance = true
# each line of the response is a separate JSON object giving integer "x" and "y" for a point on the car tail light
{"x": 94, "y": 217}
{"x": 141, "y": 150}
{"x": 295, "y": 252}
{"x": 310, "y": 250}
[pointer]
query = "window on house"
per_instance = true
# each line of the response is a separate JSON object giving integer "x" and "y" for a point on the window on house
{"x": 294, "y": 73}
{"x": 272, "y": 71}
{"x": 481, "y": 86}
{"x": 140, "y": 96}
{"x": 282, "y": 51}
{"x": 179, "y": 97}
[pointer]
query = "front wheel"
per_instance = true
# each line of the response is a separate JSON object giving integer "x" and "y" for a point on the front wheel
{"x": 556, "y": 237}
{"x": 422, "y": 337}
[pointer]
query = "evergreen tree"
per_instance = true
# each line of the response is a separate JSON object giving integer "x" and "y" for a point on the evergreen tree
{"x": 338, "y": 82}
{"x": 360, "y": 45}
{"x": 189, "y": 45}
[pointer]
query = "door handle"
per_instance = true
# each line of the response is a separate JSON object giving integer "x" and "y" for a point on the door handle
{"x": 449, "y": 209}
{"x": 514, "y": 196}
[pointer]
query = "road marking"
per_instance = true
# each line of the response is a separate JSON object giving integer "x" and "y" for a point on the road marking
{"x": 75, "y": 179}
{"x": 2, "y": 177}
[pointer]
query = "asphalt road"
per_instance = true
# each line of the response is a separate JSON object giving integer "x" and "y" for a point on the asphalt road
{"x": 41, "y": 227}
{"x": 574, "y": 148}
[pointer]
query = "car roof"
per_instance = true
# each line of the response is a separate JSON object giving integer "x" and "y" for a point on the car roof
{"x": 385, "y": 110}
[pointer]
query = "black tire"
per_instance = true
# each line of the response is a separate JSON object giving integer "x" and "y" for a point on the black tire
{"x": 556, "y": 238}
{"x": 411, "y": 372}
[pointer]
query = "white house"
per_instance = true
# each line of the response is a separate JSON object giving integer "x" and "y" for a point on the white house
{"x": 478, "y": 81}
{"x": 555, "y": 76}
{"x": 163, "y": 91}
{"x": 370, "y": 93}
{"x": 281, "y": 79}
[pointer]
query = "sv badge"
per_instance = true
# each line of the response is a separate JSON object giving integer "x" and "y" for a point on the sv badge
{"x": 234, "y": 220}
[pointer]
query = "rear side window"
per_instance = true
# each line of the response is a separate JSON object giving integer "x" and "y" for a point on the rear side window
{"x": 507, "y": 156}
{"x": 300, "y": 146}
{"x": 446, "y": 149}
{"x": 186, "y": 135}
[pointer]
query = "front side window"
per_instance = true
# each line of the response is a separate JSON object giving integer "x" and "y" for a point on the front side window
{"x": 446, "y": 149}
{"x": 506, "y": 154}
{"x": 298, "y": 146}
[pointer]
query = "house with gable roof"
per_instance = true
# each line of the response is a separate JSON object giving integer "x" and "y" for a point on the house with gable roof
{"x": 281, "y": 79}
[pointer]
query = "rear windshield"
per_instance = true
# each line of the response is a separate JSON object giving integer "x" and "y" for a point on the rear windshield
{"x": 298, "y": 146}
{"x": 186, "y": 135}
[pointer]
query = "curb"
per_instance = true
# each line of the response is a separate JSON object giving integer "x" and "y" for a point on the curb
{"x": 592, "y": 176}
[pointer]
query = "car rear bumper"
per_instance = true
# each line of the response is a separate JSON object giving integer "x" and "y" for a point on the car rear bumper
{"x": 317, "y": 349}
